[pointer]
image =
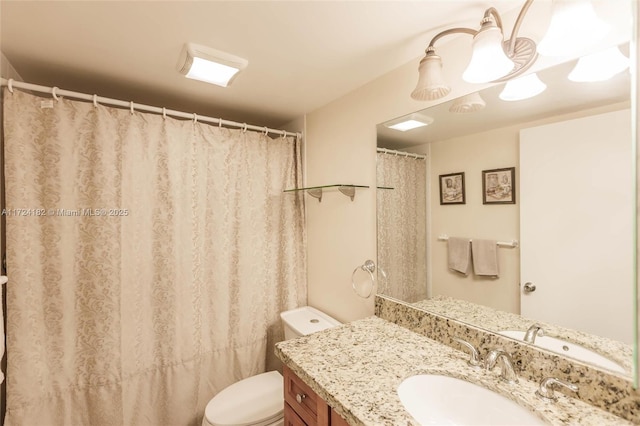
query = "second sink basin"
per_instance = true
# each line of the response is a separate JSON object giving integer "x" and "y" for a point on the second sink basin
{"x": 434, "y": 399}
{"x": 572, "y": 350}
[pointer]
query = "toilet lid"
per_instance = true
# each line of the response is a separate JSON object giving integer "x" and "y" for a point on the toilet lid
{"x": 256, "y": 400}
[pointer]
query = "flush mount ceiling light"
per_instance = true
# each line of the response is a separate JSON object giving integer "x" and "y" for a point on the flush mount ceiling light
{"x": 600, "y": 66}
{"x": 470, "y": 103}
{"x": 409, "y": 122}
{"x": 493, "y": 58}
{"x": 574, "y": 27}
{"x": 522, "y": 88}
{"x": 209, "y": 65}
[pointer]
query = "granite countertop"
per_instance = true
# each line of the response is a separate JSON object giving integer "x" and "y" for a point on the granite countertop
{"x": 495, "y": 321}
{"x": 357, "y": 367}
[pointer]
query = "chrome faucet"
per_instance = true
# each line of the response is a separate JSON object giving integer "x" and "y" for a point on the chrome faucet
{"x": 545, "y": 391}
{"x": 532, "y": 332}
{"x": 474, "y": 355}
{"x": 507, "y": 373}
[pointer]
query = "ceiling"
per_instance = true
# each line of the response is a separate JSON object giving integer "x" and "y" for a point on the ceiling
{"x": 302, "y": 54}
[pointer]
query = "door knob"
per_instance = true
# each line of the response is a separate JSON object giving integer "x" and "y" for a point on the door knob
{"x": 529, "y": 287}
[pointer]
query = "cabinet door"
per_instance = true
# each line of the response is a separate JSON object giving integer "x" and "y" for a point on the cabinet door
{"x": 337, "y": 420}
{"x": 291, "y": 418}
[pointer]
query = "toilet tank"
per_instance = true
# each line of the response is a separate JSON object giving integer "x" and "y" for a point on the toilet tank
{"x": 305, "y": 320}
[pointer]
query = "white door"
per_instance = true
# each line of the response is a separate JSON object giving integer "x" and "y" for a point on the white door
{"x": 576, "y": 224}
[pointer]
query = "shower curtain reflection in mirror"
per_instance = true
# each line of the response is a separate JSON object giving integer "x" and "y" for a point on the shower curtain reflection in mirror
{"x": 401, "y": 216}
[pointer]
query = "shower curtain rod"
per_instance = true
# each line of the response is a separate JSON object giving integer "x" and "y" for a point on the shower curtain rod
{"x": 402, "y": 153}
{"x": 55, "y": 92}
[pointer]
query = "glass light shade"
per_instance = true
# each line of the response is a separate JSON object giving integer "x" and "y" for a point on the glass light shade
{"x": 431, "y": 83}
{"x": 574, "y": 27}
{"x": 469, "y": 103}
{"x": 488, "y": 61}
{"x": 599, "y": 66}
{"x": 522, "y": 88}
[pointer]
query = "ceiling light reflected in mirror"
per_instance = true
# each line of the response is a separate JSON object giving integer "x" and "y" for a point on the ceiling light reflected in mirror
{"x": 522, "y": 88}
{"x": 470, "y": 103}
{"x": 409, "y": 122}
{"x": 600, "y": 66}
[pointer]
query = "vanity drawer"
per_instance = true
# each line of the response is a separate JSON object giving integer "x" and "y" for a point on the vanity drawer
{"x": 304, "y": 401}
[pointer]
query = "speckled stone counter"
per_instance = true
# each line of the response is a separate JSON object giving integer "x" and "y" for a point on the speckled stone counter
{"x": 600, "y": 388}
{"x": 357, "y": 367}
{"x": 495, "y": 321}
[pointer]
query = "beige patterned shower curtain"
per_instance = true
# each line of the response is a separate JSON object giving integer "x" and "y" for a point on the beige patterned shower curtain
{"x": 401, "y": 216}
{"x": 148, "y": 258}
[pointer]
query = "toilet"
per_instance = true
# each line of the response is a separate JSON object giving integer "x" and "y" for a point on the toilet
{"x": 259, "y": 400}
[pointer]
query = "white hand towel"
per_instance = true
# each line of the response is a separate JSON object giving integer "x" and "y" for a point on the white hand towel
{"x": 459, "y": 254}
{"x": 485, "y": 257}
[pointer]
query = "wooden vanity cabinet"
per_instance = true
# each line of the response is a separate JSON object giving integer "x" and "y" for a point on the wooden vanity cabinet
{"x": 303, "y": 407}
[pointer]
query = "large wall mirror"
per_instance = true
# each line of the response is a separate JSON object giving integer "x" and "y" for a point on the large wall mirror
{"x": 549, "y": 181}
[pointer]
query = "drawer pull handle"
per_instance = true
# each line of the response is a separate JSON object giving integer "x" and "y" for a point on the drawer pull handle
{"x": 300, "y": 397}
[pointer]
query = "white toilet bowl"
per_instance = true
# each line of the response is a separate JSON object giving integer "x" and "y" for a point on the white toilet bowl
{"x": 258, "y": 400}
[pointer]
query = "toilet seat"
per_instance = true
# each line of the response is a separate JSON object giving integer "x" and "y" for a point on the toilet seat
{"x": 256, "y": 401}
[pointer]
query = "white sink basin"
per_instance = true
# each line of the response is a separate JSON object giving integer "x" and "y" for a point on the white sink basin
{"x": 441, "y": 400}
{"x": 572, "y": 350}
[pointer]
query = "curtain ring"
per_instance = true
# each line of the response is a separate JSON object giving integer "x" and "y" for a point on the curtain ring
{"x": 164, "y": 113}
{"x": 10, "y": 85}
{"x": 95, "y": 101}
{"x": 55, "y": 95}
{"x": 266, "y": 131}
{"x": 369, "y": 267}
{"x": 131, "y": 106}
{"x": 284, "y": 134}
{"x": 244, "y": 129}
{"x": 219, "y": 123}
{"x": 195, "y": 118}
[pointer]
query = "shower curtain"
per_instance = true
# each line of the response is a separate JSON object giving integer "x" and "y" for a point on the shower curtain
{"x": 401, "y": 215}
{"x": 148, "y": 258}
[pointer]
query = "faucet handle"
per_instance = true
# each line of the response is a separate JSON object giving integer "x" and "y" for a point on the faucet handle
{"x": 474, "y": 355}
{"x": 545, "y": 391}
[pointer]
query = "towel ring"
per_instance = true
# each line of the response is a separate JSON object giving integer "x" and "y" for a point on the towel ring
{"x": 369, "y": 267}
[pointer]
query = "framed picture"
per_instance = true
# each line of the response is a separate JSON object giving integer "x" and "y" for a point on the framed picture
{"x": 452, "y": 188}
{"x": 499, "y": 186}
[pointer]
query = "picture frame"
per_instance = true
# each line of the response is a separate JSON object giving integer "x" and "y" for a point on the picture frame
{"x": 452, "y": 190}
{"x": 499, "y": 186}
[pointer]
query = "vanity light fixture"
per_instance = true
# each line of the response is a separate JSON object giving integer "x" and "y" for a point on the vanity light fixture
{"x": 470, "y": 103}
{"x": 522, "y": 88}
{"x": 600, "y": 66}
{"x": 574, "y": 27}
{"x": 409, "y": 122}
{"x": 209, "y": 65}
{"x": 493, "y": 58}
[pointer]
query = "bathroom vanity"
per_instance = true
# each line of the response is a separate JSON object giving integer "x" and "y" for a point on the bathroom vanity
{"x": 357, "y": 368}
{"x": 304, "y": 407}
